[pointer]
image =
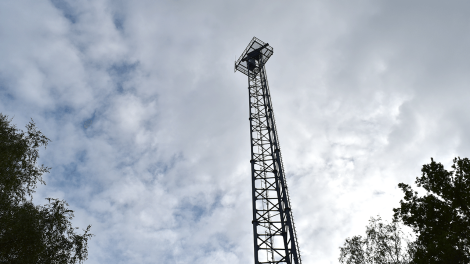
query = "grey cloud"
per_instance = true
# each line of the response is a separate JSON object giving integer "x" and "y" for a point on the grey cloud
{"x": 364, "y": 93}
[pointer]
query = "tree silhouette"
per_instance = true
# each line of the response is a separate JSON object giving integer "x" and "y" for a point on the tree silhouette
{"x": 32, "y": 233}
{"x": 384, "y": 243}
{"x": 441, "y": 218}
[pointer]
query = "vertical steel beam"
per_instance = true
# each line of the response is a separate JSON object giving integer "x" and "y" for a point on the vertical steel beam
{"x": 254, "y": 222}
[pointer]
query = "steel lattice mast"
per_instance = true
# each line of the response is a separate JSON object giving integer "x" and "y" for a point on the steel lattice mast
{"x": 275, "y": 239}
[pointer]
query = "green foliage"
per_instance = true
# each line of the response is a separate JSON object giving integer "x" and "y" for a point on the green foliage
{"x": 32, "y": 233}
{"x": 384, "y": 243}
{"x": 441, "y": 218}
{"x": 19, "y": 153}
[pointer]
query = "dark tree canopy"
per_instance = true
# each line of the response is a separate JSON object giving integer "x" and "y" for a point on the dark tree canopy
{"x": 19, "y": 153}
{"x": 32, "y": 233}
{"x": 441, "y": 218}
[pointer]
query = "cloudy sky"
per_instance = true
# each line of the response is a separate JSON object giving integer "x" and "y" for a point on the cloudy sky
{"x": 149, "y": 123}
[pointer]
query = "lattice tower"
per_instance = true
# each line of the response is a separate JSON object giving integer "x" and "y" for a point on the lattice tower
{"x": 275, "y": 239}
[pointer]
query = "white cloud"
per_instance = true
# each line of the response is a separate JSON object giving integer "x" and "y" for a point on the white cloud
{"x": 364, "y": 93}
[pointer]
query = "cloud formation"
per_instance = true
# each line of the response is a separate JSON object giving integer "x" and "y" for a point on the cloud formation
{"x": 364, "y": 93}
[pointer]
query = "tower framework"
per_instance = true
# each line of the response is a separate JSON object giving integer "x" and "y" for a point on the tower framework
{"x": 275, "y": 239}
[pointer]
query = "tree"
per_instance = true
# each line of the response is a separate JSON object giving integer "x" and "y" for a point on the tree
{"x": 384, "y": 243}
{"x": 441, "y": 218}
{"x": 32, "y": 233}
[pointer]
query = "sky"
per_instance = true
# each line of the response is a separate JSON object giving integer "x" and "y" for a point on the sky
{"x": 149, "y": 123}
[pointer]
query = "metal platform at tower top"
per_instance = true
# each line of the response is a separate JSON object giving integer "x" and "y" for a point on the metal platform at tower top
{"x": 256, "y": 48}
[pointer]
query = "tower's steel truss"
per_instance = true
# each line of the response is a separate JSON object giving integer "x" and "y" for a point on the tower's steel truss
{"x": 275, "y": 239}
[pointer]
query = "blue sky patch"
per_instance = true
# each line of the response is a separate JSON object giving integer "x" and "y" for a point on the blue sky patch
{"x": 122, "y": 72}
{"x": 66, "y": 9}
